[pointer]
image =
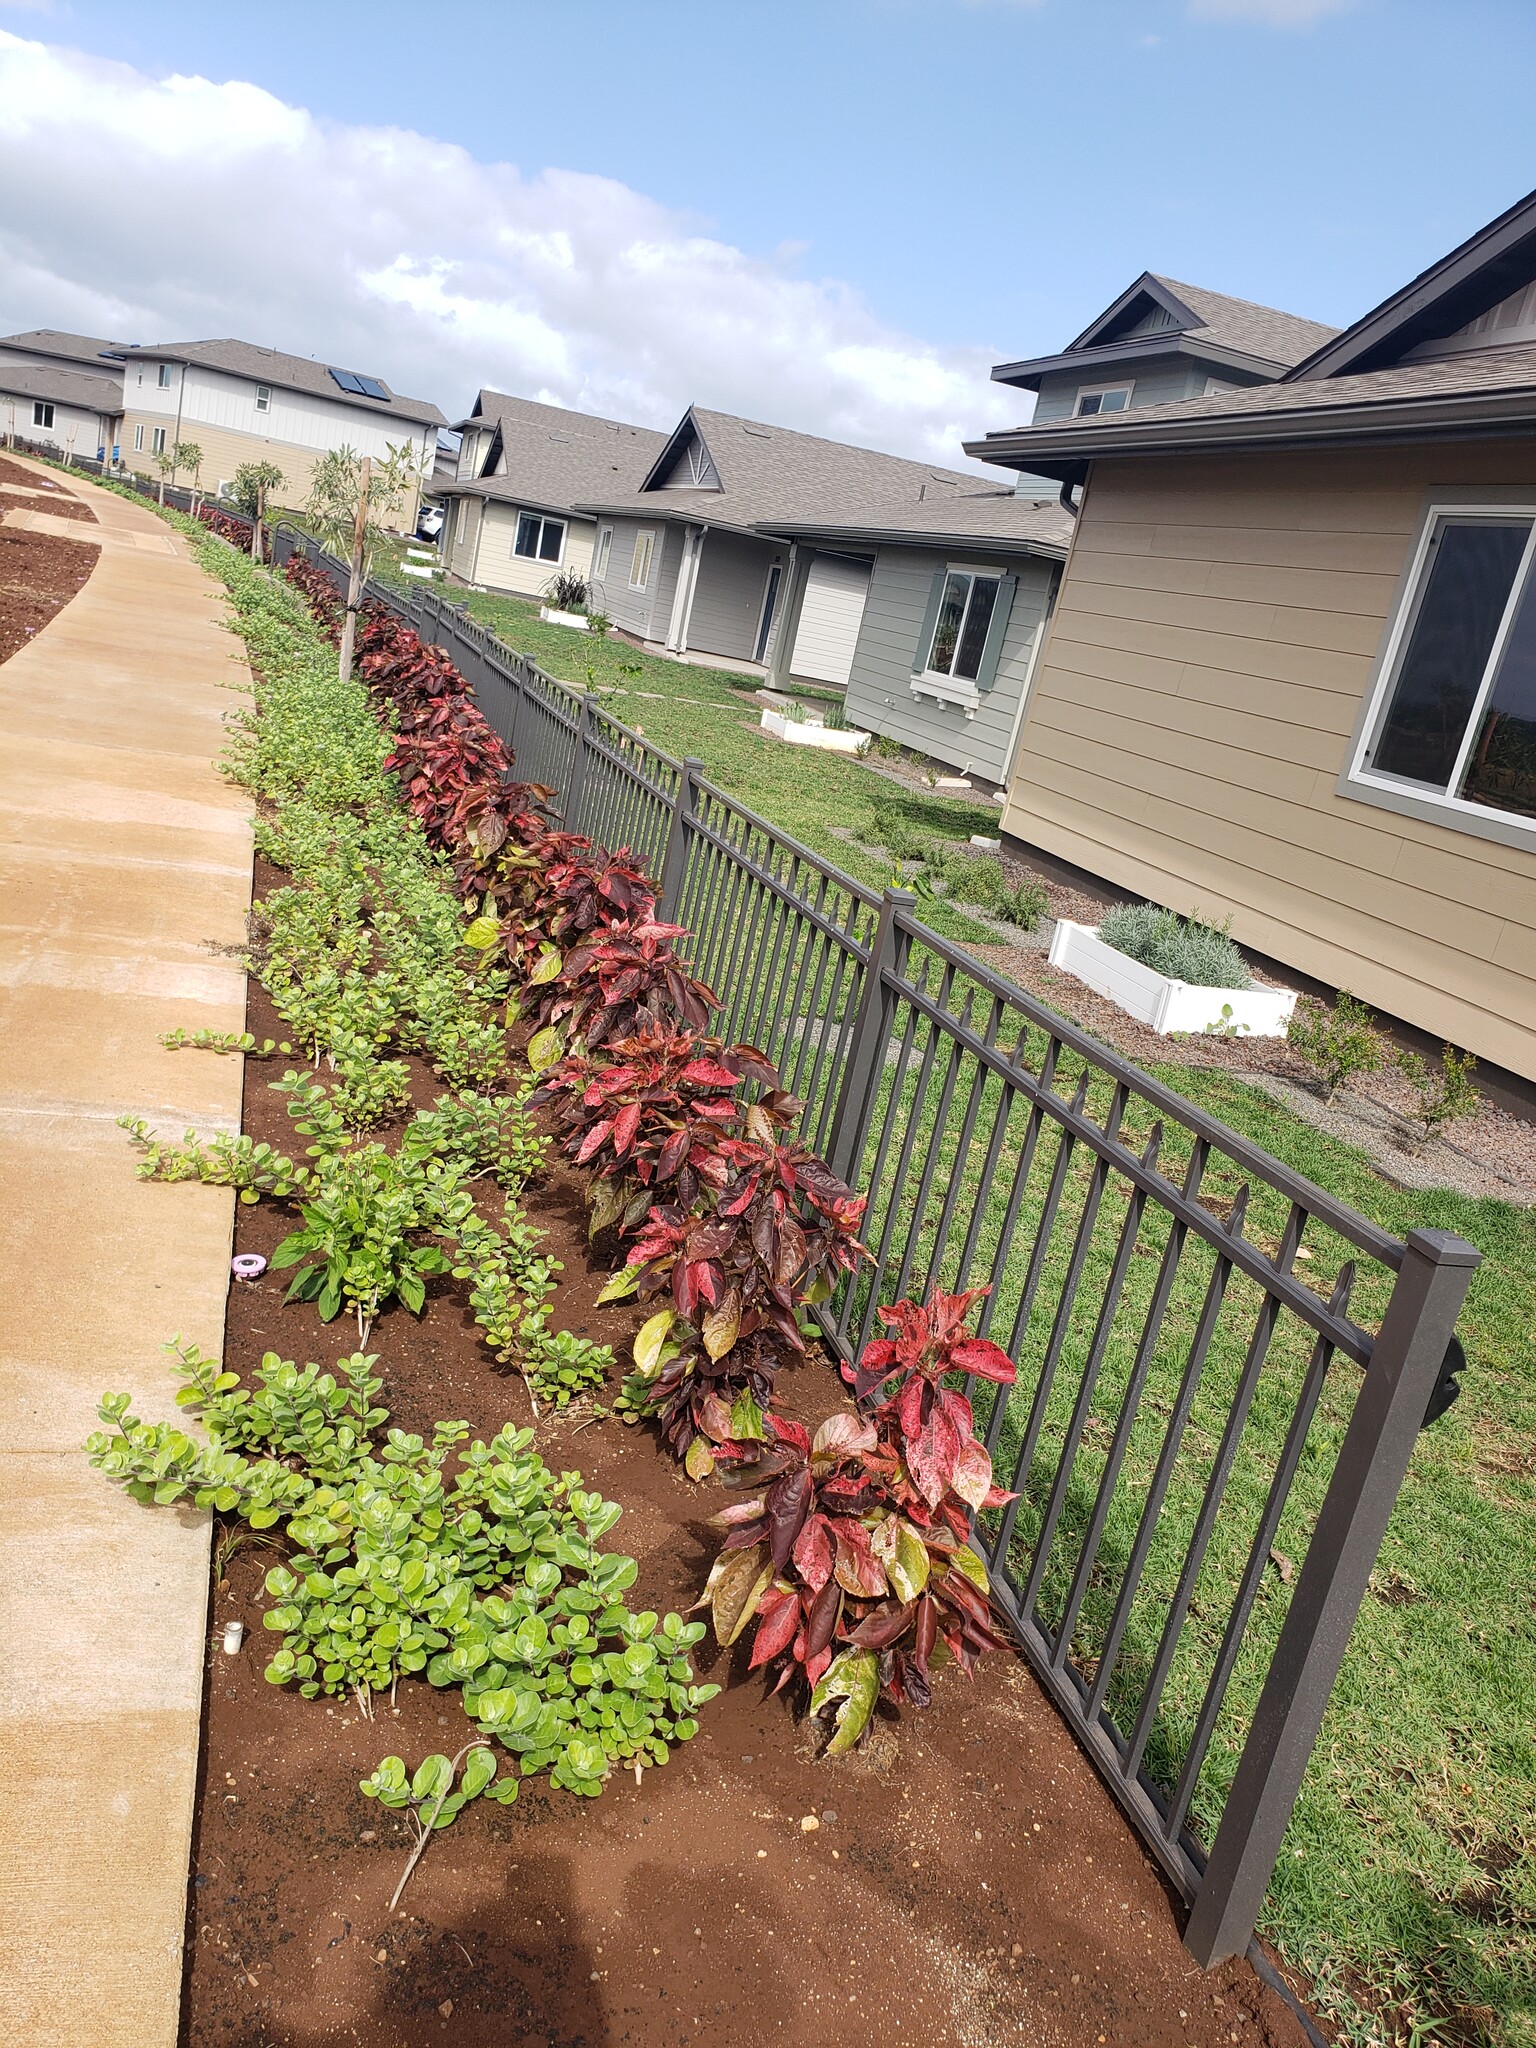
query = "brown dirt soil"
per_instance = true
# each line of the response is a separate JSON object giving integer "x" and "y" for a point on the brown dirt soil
{"x": 39, "y": 574}
{"x": 54, "y": 503}
{"x": 18, "y": 473}
{"x": 969, "y": 1880}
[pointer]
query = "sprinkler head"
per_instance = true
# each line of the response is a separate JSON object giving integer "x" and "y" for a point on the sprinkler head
{"x": 247, "y": 1265}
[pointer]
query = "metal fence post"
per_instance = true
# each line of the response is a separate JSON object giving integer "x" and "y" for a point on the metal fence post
{"x": 1421, "y": 1317}
{"x": 578, "y": 765}
{"x": 870, "y": 1036}
{"x": 674, "y": 864}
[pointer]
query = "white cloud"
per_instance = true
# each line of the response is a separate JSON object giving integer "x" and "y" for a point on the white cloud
{"x": 178, "y": 208}
{"x": 1270, "y": 13}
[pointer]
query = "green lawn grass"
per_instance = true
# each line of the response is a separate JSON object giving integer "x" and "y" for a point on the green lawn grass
{"x": 1407, "y": 1887}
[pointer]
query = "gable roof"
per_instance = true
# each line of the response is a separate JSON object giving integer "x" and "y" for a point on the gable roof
{"x": 66, "y": 386}
{"x": 556, "y": 458}
{"x": 273, "y": 366}
{"x": 768, "y": 475}
{"x": 69, "y": 348}
{"x": 1482, "y": 393}
{"x": 1191, "y": 321}
{"x": 1476, "y": 275}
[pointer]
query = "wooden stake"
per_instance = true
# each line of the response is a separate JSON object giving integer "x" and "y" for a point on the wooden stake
{"x": 355, "y": 580}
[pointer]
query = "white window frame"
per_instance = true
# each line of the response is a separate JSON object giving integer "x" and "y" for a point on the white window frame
{"x": 1414, "y": 798}
{"x": 263, "y": 397}
{"x": 642, "y": 558}
{"x": 42, "y": 413}
{"x": 163, "y": 377}
{"x": 601, "y": 553}
{"x": 542, "y": 522}
{"x": 1218, "y": 387}
{"x": 1101, "y": 391}
{"x": 459, "y": 523}
{"x": 961, "y": 690}
{"x": 157, "y": 441}
{"x": 138, "y": 437}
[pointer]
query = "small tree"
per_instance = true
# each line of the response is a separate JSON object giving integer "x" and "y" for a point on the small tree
{"x": 188, "y": 455}
{"x": 165, "y": 466}
{"x": 1339, "y": 1043}
{"x": 1443, "y": 1096}
{"x": 350, "y": 499}
{"x": 253, "y": 481}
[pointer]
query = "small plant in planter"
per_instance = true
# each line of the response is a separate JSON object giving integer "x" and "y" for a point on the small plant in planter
{"x": 1185, "y": 949}
{"x": 853, "y": 1555}
{"x": 567, "y": 591}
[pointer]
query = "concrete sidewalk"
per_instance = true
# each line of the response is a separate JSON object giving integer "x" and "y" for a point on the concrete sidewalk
{"x": 125, "y": 864}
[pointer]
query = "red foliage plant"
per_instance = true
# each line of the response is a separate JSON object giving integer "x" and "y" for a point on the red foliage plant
{"x": 319, "y": 593}
{"x": 621, "y": 977}
{"x": 782, "y": 1226}
{"x": 853, "y": 1556}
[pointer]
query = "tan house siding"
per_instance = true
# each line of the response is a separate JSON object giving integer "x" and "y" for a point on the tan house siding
{"x": 498, "y": 568}
{"x": 224, "y": 449}
{"x": 1212, "y": 644}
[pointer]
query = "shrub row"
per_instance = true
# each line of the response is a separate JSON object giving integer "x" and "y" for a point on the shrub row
{"x": 852, "y": 1551}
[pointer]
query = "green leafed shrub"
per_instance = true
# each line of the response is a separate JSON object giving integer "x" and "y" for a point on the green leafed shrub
{"x": 1337, "y": 1043}
{"x": 1444, "y": 1093}
{"x": 1185, "y": 949}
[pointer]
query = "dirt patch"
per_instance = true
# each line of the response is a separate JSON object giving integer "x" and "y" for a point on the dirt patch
{"x": 54, "y": 503}
{"x": 969, "y": 1880}
{"x": 18, "y": 473}
{"x": 39, "y": 574}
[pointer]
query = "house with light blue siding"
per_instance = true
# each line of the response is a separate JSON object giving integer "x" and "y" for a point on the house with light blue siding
{"x": 959, "y": 591}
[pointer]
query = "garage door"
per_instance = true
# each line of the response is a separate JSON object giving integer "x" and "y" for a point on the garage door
{"x": 830, "y": 617}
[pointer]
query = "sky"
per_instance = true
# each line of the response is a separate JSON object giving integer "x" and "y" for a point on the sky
{"x": 834, "y": 215}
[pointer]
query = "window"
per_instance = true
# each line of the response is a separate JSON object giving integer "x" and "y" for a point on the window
{"x": 263, "y": 398}
{"x": 765, "y": 622}
{"x": 157, "y": 441}
{"x": 539, "y": 540}
{"x": 1454, "y": 720}
{"x": 1103, "y": 398}
{"x": 640, "y": 561}
{"x": 42, "y": 413}
{"x": 960, "y": 630}
{"x": 600, "y": 557}
{"x": 164, "y": 378}
{"x": 1215, "y": 387}
{"x": 458, "y": 530}
{"x": 138, "y": 438}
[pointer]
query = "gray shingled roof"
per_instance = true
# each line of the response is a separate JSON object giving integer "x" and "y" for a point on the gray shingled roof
{"x": 557, "y": 459}
{"x": 69, "y": 348}
{"x": 1447, "y": 387}
{"x": 979, "y": 514}
{"x": 771, "y": 475}
{"x": 296, "y": 373}
{"x": 64, "y": 386}
{"x": 1254, "y": 330}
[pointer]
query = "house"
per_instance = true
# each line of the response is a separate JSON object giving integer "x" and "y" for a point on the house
{"x": 690, "y": 558}
{"x": 1291, "y": 673}
{"x": 73, "y": 411}
{"x": 521, "y": 467}
{"x": 242, "y": 403}
{"x": 957, "y": 588}
{"x": 48, "y": 348}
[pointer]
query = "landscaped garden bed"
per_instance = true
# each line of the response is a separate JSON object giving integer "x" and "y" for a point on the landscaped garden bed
{"x": 562, "y": 1903}
{"x": 39, "y": 572}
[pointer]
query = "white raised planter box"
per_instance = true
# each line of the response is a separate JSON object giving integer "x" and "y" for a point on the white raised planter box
{"x": 801, "y": 733}
{"x": 551, "y": 617}
{"x": 416, "y": 569}
{"x": 1166, "y": 1005}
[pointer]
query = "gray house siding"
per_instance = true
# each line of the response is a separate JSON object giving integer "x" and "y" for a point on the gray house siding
{"x": 641, "y": 612}
{"x": 880, "y": 697}
{"x": 728, "y": 595}
{"x": 1158, "y": 382}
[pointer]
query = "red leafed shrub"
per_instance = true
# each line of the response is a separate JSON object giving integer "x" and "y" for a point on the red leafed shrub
{"x": 619, "y": 979}
{"x": 586, "y": 890}
{"x": 853, "y": 1555}
{"x": 319, "y": 593}
{"x": 646, "y": 1113}
{"x": 233, "y": 530}
{"x": 780, "y": 1228}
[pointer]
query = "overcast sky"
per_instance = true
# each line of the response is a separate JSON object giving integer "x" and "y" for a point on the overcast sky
{"x": 831, "y": 214}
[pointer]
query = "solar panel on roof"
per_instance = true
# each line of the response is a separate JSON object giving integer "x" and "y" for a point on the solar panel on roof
{"x": 348, "y": 381}
{"x": 372, "y": 388}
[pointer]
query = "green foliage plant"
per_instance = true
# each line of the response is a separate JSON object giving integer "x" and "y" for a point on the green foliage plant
{"x": 1444, "y": 1094}
{"x": 1185, "y": 949}
{"x": 223, "y": 1042}
{"x": 252, "y": 485}
{"x": 1337, "y": 1044}
{"x": 430, "y": 1795}
{"x": 469, "y": 1564}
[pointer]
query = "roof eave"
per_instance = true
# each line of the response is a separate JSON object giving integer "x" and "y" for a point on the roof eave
{"x": 1473, "y": 416}
{"x": 1027, "y": 374}
{"x": 898, "y": 536}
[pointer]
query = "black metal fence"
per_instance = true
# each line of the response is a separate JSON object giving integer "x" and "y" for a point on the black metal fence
{"x": 1222, "y": 1370}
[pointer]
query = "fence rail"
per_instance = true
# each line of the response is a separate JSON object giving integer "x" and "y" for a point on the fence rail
{"x": 1222, "y": 1369}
